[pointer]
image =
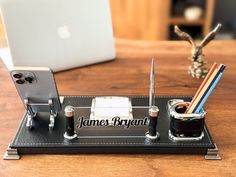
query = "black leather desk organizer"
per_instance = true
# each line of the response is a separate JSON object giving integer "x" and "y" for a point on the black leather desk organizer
{"x": 109, "y": 139}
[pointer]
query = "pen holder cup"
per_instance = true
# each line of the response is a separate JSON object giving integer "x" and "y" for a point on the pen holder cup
{"x": 183, "y": 125}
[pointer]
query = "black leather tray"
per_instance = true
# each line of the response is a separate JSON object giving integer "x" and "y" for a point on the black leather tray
{"x": 104, "y": 139}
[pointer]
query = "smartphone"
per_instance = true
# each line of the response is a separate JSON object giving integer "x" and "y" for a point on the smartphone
{"x": 37, "y": 86}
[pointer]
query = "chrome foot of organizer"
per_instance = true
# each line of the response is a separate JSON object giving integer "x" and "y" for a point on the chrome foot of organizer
{"x": 11, "y": 154}
{"x": 213, "y": 154}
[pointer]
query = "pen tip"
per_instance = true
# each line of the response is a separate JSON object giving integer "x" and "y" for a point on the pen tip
{"x": 152, "y": 65}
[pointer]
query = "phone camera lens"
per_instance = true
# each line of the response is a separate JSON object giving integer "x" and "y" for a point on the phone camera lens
{"x": 17, "y": 75}
{"x": 29, "y": 79}
{"x": 19, "y": 81}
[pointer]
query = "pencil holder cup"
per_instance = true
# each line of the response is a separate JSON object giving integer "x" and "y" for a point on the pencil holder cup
{"x": 185, "y": 126}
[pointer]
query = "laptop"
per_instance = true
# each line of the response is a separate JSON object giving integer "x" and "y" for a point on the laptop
{"x": 58, "y": 34}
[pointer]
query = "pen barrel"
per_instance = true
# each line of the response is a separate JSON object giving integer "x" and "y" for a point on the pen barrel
{"x": 153, "y": 115}
{"x": 69, "y": 114}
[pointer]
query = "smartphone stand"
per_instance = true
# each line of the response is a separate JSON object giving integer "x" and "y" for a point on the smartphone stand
{"x": 30, "y": 114}
{"x": 105, "y": 139}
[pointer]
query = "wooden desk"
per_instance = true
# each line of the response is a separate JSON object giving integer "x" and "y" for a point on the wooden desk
{"x": 129, "y": 75}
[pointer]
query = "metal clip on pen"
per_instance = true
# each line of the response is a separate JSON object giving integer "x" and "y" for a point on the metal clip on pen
{"x": 153, "y": 110}
{"x": 70, "y": 132}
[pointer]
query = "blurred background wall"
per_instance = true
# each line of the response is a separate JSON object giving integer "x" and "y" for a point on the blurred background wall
{"x": 225, "y": 12}
{"x": 155, "y": 19}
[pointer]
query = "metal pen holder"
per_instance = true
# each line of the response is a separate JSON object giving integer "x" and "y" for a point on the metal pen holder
{"x": 185, "y": 126}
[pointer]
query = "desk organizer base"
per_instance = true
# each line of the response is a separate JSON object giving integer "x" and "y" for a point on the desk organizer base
{"x": 109, "y": 139}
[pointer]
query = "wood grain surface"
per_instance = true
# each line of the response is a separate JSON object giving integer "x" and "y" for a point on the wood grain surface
{"x": 141, "y": 19}
{"x": 129, "y": 75}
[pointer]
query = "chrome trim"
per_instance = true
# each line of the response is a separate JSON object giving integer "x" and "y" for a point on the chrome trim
{"x": 177, "y": 139}
{"x": 153, "y": 111}
{"x": 174, "y": 114}
{"x": 152, "y": 137}
{"x": 70, "y": 137}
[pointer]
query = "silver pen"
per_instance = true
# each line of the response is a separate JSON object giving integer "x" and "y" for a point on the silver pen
{"x": 153, "y": 110}
{"x": 152, "y": 86}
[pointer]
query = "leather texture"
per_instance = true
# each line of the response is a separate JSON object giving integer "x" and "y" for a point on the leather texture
{"x": 105, "y": 139}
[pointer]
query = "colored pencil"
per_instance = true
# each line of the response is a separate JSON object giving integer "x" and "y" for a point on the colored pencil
{"x": 209, "y": 91}
{"x": 203, "y": 89}
{"x": 214, "y": 66}
{"x": 208, "y": 85}
{"x": 209, "y": 81}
